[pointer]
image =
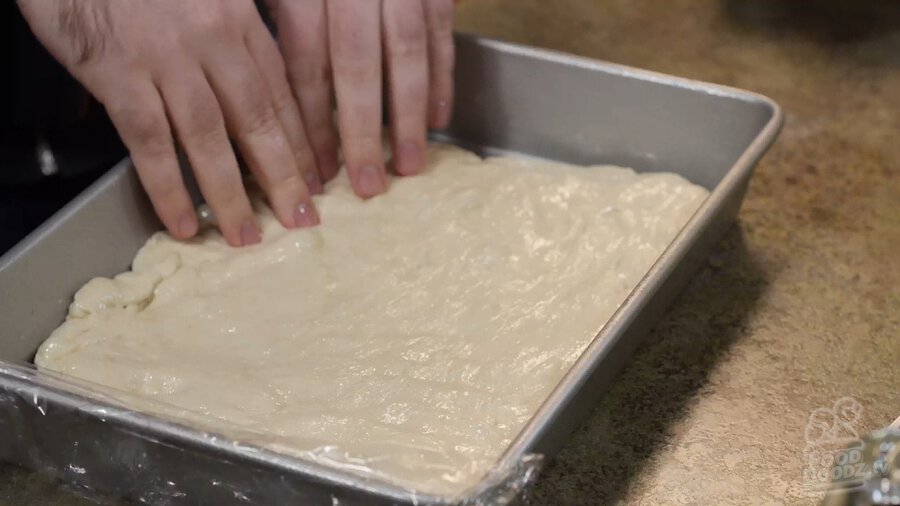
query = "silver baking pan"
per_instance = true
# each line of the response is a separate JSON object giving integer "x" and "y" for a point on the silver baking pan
{"x": 509, "y": 98}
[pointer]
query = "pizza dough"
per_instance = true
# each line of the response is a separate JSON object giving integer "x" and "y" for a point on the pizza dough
{"x": 410, "y": 336}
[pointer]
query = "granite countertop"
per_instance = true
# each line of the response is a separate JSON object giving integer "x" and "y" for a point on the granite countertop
{"x": 797, "y": 308}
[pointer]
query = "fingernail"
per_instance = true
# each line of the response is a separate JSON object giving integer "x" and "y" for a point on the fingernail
{"x": 305, "y": 215}
{"x": 187, "y": 225}
{"x": 409, "y": 158}
{"x": 313, "y": 182}
{"x": 369, "y": 181}
{"x": 250, "y": 233}
{"x": 328, "y": 165}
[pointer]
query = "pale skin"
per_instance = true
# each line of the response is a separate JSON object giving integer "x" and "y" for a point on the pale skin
{"x": 204, "y": 73}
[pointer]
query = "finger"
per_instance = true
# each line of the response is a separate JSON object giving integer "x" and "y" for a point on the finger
{"x": 265, "y": 52}
{"x": 406, "y": 48}
{"x": 355, "y": 47}
{"x": 441, "y": 58}
{"x": 140, "y": 118}
{"x": 198, "y": 122}
{"x": 251, "y": 121}
{"x": 303, "y": 37}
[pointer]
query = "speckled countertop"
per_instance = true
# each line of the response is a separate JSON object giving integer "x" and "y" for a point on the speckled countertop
{"x": 800, "y": 304}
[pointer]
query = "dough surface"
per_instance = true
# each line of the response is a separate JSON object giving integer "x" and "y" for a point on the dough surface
{"x": 410, "y": 336}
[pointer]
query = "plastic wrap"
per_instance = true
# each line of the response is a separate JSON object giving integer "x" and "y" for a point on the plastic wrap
{"x": 80, "y": 435}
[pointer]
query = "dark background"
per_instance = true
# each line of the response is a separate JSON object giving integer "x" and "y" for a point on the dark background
{"x": 43, "y": 105}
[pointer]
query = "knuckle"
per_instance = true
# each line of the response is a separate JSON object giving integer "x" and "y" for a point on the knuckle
{"x": 285, "y": 183}
{"x": 283, "y": 100}
{"x": 157, "y": 147}
{"x": 259, "y": 121}
{"x": 203, "y": 130}
{"x": 142, "y": 129}
{"x": 140, "y": 123}
{"x": 364, "y": 141}
{"x": 203, "y": 124}
{"x": 215, "y": 22}
{"x": 356, "y": 73}
{"x": 408, "y": 50}
{"x": 256, "y": 114}
{"x": 302, "y": 151}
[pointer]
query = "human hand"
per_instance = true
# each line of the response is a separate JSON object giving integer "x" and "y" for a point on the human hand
{"x": 335, "y": 47}
{"x": 205, "y": 70}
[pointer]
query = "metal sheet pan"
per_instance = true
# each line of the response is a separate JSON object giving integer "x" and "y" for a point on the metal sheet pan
{"x": 509, "y": 98}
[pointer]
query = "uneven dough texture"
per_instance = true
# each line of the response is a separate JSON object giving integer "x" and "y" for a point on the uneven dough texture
{"x": 410, "y": 336}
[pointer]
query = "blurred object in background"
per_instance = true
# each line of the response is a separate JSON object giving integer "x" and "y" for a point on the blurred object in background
{"x": 54, "y": 137}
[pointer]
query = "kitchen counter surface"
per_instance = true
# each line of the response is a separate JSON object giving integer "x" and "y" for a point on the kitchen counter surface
{"x": 799, "y": 306}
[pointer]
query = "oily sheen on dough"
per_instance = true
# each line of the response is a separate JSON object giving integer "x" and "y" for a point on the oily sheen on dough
{"x": 410, "y": 336}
